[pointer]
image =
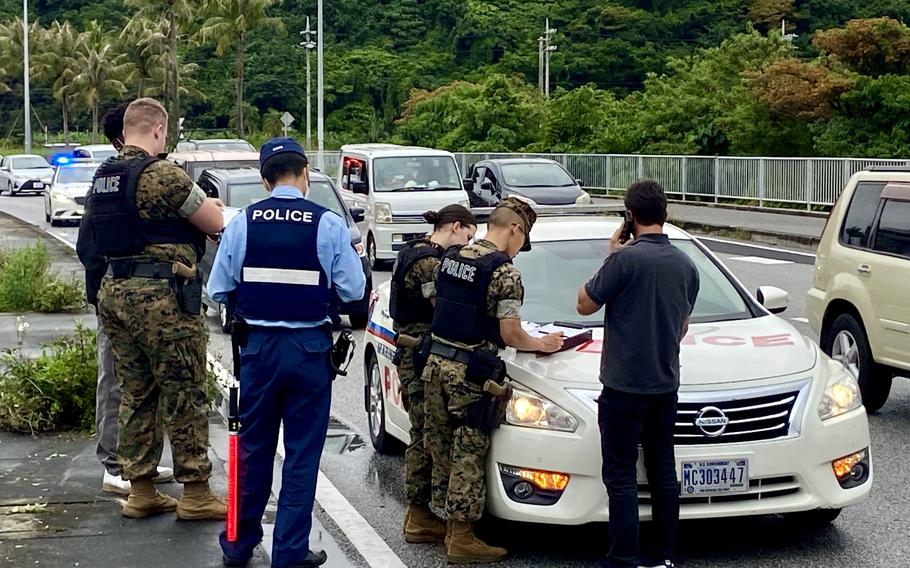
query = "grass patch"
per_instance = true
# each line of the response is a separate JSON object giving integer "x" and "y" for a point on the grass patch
{"x": 53, "y": 392}
{"x": 27, "y": 285}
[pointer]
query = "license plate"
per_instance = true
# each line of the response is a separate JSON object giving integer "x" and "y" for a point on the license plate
{"x": 38, "y": 185}
{"x": 712, "y": 477}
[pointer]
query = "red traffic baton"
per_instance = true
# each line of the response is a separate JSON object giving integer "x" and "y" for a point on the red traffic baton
{"x": 233, "y": 458}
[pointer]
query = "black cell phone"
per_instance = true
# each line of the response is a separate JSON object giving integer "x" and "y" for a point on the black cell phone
{"x": 626, "y": 228}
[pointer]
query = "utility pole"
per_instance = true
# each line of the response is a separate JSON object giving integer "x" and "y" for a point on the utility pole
{"x": 544, "y": 50}
{"x": 308, "y": 44}
{"x": 320, "y": 99}
{"x": 26, "y": 94}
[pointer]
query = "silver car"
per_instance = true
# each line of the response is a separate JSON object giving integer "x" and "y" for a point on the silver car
{"x": 25, "y": 173}
{"x": 64, "y": 199}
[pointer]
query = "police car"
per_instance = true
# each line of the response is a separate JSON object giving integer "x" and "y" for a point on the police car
{"x": 767, "y": 423}
{"x": 64, "y": 198}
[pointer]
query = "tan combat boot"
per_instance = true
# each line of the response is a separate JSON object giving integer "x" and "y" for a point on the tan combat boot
{"x": 449, "y": 524}
{"x": 198, "y": 503}
{"x": 422, "y": 526}
{"x": 465, "y": 548}
{"x": 144, "y": 501}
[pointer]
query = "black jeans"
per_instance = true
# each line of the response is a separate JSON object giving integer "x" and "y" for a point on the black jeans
{"x": 627, "y": 420}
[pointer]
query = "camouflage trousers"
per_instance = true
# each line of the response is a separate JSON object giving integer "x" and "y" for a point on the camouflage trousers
{"x": 458, "y": 452}
{"x": 159, "y": 358}
{"x": 417, "y": 461}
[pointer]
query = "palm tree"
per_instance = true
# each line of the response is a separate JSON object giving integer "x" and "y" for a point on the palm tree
{"x": 56, "y": 63}
{"x": 11, "y": 40}
{"x": 144, "y": 44}
{"x": 177, "y": 13}
{"x": 102, "y": 70}
{"x": 228, "y": 24}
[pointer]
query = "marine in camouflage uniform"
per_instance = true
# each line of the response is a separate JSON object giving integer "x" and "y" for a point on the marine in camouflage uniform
{"x": 159, "y": 351}
{"x": 417, "y": 463}
{"x": 459, "y": 452}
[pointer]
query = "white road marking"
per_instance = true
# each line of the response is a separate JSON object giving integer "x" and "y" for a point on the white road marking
{"x": 759, "y": 247}
{"x": 800, "y": 320}
{"x": 760, "y": 260}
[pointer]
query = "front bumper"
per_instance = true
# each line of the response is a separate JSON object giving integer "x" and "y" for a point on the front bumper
{"x": 67, "y": 212}
{"x": 33, "y": 185}
{"x": 390, "y": 238}
{"x": 816, "y": 304}
{"x": 786, "y": 475}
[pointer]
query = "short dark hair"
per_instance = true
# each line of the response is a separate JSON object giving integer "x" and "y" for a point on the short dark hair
{"x": 647, "y": 202}
{"x": 112, "y": 123}
{"x": 283, "y": 165}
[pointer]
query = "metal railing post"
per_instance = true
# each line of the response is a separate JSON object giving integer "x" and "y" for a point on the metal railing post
{"x": 685, "y": 178}
{"x": 809, "y": 184}
{"x": 716, "y": 178}
{"x": 761, "y": 182}
{"x": 641, "y": 167}
{"x": 609, "y": 177}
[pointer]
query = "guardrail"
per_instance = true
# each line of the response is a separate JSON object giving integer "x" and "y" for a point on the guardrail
{"x": 764, "y": 180}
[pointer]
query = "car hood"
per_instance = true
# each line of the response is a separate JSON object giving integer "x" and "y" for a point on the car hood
{"x": 716, "y": 353}
{"x": 73, "y": 189}
{"x": 545, "y": 195}
{"x": 36, "y": 173}
{"x": 419, "y": 201}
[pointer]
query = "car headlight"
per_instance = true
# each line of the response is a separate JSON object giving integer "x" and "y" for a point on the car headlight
{"x": 382, "y": 212}
{"x": 60, "y": 196}
{"x": 534, "y": 411}
{"x": 584, "y": 199}
{"x": 841, "y": 395}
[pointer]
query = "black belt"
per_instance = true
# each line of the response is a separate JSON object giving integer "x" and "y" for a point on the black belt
{"x": 128, "y": 268}
{"x": 450, "y": 353}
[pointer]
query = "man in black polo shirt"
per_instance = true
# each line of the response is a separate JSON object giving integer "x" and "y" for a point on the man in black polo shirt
{"x": 647, "y": 288}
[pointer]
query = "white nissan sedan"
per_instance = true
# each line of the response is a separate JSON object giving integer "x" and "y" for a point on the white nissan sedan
{"x": 766, "y": 424}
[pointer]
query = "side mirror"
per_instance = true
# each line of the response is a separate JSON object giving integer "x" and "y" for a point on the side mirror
{"x": 773, "y": 299}
{"x": 468, "y": 185}
{"x": 486, "y": 186}
{"x": 360, "y": 187}
{"x": 579, "y": 182}
{"x": 358, "y": 213}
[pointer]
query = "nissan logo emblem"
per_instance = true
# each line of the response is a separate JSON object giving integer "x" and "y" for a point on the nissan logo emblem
{"x": 711, "y": 421}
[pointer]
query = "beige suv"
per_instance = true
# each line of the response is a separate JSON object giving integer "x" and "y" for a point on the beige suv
{"x": 860, "y": 299}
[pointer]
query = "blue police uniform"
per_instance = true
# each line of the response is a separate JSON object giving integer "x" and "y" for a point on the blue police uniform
{"x": 282, "y": 263}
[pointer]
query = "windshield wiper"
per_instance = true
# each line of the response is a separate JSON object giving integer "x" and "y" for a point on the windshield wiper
{"x": 410, "y": 188}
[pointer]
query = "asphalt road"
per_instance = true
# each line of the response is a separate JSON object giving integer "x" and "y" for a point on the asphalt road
{"x": 873, "y": 534}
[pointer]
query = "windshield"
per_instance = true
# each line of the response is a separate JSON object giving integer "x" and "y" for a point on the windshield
{"x": 321, "y": 193}
{"x": 536, "y": 174}
{"x": 552, "y": 272}
{"x": 415, "y": 173}
{"x": 29, "y": 163}
{"x": 242, "y": 195}
{"x": 75, "y": 175}
{"x": 224, "y": 145}
{"x": 103, "y": 154}
{"x": 195, "y": 169}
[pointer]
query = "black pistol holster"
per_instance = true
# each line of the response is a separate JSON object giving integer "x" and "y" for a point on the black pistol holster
{"x": 342, "y": 352}
{"x": 488, "y": 411}
{"x": 422, "y": 354}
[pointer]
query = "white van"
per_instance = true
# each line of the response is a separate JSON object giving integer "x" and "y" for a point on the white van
{"x": 395, "y": 185}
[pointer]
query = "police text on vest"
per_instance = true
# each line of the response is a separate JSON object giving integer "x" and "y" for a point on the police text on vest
{"x": 106, "y": 185}
{"x": 458, "y": 269}
{"x": 291, "y": 215}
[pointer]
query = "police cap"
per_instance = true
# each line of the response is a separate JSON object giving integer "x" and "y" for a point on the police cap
{"x": 277, "y": 146}
{"x": 525, "y": 212}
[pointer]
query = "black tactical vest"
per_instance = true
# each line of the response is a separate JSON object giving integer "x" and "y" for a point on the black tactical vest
{"x": 118, "y": 229}
{"x": 409, "y": 306}
{"x": 461, "y": 298}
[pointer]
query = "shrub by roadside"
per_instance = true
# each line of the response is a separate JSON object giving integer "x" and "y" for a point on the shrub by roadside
{"x": 53, "y": 392}
{"x": 27, "y": 285}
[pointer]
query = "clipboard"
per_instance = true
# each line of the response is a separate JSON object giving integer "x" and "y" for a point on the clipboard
{"x": 573, "y": 334}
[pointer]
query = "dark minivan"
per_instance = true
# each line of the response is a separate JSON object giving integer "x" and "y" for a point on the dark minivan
{"x": 241, "y": 188}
